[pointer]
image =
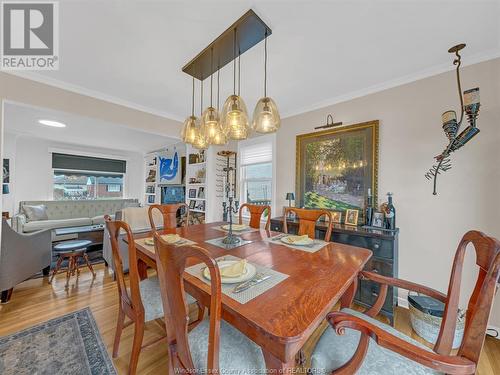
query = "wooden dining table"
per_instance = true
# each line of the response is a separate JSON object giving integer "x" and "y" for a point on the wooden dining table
{"x": 283, "y": 318}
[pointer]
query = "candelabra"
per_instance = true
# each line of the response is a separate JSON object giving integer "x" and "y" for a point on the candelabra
{"x": 469, "y": 104}
{"x": 232, "y": 205}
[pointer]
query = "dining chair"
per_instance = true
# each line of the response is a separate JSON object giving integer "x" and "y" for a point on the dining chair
{"x": 256, "y": 212}
{"x": 169, "y": 214}
{"x": 213, "y": 346}
{"x": 362, "y": 345}
{"x": 307, "y": 221}
{"x": 140, "y": 301}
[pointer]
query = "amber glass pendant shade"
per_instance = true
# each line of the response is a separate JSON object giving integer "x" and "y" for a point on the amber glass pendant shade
{"x": 189, "y": 130}
{"x": 266, "y": 118}
{"x": 235, "y": 118}
{"x": 212, "y": 127}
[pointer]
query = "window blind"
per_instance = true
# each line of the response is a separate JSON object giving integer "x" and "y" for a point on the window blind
{"x": 87, "y": 163}
{"x": 256, "y": 153}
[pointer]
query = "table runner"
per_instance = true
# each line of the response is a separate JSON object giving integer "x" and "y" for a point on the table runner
{"x": 315, "y": 246}
{"x": 246, "y": 295}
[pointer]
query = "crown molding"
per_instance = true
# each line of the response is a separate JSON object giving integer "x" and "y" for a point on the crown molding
{"x": 438, "y": 69}
{"x": 91, "y": 93}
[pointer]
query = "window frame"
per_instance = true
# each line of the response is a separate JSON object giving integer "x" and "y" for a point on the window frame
{"x": 242, "y": 180}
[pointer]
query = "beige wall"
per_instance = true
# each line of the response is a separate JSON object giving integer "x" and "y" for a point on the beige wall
{"x": 410, "y": 135}
{"x": 25, "y": 91}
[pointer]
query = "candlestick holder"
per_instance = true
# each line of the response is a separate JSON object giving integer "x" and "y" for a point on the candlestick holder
{"x": 469, "y": 104}
{"x": 232, "y": 205}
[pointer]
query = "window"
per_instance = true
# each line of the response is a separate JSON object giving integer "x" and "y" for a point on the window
{"x": 79, "y": 185}
{"x": 256, "y": 171}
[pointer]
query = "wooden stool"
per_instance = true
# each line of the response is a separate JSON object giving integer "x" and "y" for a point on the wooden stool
{"x": 72, "y": 250}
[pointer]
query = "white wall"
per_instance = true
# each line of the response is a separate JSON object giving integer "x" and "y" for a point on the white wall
{"x": 410, "y": 135}
{"x": 31, "y": 168}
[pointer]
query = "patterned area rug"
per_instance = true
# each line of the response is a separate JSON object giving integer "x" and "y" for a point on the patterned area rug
{"x": 70, "y": 344}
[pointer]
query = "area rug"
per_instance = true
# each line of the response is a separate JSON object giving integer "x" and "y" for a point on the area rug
{"x": 70, "y": 344}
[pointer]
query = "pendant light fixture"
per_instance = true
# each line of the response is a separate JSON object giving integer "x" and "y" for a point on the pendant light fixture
{"x": 266, "y": 118}
{"x": 189, "y": 130}
{"x": 234, "y": 113}
{"x": 201, "y": 140}
{"x": 210, "y": 121}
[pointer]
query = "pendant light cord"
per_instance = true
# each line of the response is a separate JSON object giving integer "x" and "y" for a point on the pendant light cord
{"x": 218, "y": 86}
{"x": 201, "y": 97}
{"x": 265, "y": 66}
{"x": 234, "y": 63}
{"x": 192, "y": 101}
{"x": 211, "y": 75}
{"x": 239, "y": 72}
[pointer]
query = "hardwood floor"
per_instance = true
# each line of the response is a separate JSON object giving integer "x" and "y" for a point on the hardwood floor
{"x": 36, "y": 301}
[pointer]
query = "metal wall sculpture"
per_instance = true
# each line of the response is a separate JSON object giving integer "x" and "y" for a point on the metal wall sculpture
{"x": 469, "y": 104}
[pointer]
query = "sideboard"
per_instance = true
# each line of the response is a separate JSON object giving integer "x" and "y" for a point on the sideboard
{"x": 383, "y": 244}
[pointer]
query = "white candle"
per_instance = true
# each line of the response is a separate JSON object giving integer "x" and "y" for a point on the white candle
{"x": 471, "y": 96}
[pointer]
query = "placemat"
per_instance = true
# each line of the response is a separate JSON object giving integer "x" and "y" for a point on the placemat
{"x": 315, "y": 246}
{"x": 182, "y": 242}
{"x": 218, "y": 242}
{"x": 246, "y": 230}
{"x": 246, "y": 295}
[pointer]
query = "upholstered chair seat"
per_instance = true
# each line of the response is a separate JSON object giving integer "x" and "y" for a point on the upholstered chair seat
{"x": 332, "y": 351}
{"x": 237, "y": 354}
{"x": 151, "y": 298}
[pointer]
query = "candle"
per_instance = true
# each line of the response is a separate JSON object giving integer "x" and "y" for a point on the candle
{"x": 471, "y": 96}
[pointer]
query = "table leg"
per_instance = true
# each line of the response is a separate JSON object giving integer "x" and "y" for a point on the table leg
{"x": 350, "y": 293}
{"x": 142, "y": 267}
{"x": 276, "y": 366}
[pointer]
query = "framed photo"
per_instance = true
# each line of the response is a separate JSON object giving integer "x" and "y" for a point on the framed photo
{"x": 192, "y": 204}
{"x": 192, "y": 193}
{"x": 336, "y": 217}
{"x": 351, "y": 217}
{"x": 335, "y": 167}
{"x": 378, "y": 219}
{"x": 201, "y": 192}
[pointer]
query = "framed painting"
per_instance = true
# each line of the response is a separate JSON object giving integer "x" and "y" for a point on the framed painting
{"x": 169, "y": 168}
{"x": 336, "y": 167}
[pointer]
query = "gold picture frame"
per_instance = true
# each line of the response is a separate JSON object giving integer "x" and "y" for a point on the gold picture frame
{"x": 354, "y": 148}
{"x": 351, "y": 217}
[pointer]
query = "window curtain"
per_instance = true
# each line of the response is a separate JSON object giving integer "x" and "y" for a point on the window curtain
{"x": 87, "y": 163}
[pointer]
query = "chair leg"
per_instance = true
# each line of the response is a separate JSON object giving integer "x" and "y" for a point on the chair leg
{"x": 5, "y": 295}
{"x": 118, "y": 333}
{"x": 136, "y": 347}
{"x": 46, "y": 271}
{"x": 86, "y": 257}
{"x": 68, "y": 271}
{"x": 58, "y": 266}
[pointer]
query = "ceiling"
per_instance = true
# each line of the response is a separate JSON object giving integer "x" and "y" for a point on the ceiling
{"x": 320, "y": 52}
{"x": 82, "y": 131}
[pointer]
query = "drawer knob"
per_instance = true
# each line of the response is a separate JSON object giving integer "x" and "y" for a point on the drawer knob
{"x": 374, "y": 270}
{"x": 374, "y": 294}
{"x": 376, "y": 245}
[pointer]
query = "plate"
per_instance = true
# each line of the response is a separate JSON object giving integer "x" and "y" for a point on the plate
{"x": 250, "y": 272}
{"x": 236, "y": 227}
{"x": 288, "y": 240}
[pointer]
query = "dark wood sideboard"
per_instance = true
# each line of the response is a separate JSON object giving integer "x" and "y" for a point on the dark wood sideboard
{"x": 383, "y": 244}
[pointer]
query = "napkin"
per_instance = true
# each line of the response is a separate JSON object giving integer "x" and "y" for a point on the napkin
{"x": 168, "y": 238}
{"x": 298, "y": 239}
{"x": 235, "y": 270}
{"x": 235, "y": 227}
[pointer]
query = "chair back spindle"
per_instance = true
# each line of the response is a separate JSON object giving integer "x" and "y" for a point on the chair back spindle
{"x": 307, "y": 221}
{"x": 256, "y": 212}
{"x": 169, "y": 214}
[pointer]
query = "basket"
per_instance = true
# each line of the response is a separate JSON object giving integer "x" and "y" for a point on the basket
{"x": 427, "y": 325}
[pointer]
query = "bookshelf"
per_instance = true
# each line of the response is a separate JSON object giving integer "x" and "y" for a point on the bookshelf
{"x": 151, "y": 191}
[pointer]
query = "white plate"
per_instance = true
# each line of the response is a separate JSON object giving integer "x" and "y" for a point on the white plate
{"x": 236, "y": 227}
{"x": 307, "y": 242}
{"x": 250, "y": 272}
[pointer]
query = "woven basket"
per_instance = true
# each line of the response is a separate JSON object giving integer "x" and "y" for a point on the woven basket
{"x": 427, "y": 326}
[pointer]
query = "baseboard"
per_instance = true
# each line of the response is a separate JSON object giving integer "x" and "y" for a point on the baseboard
{"x": 403, "y": 302}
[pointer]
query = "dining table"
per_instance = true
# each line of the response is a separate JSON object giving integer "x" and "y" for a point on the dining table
{"x": 283, "y": 318}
